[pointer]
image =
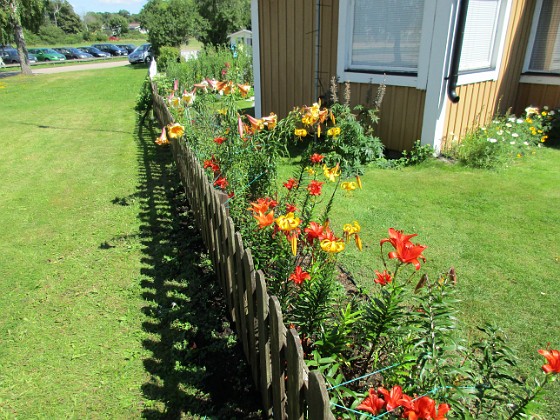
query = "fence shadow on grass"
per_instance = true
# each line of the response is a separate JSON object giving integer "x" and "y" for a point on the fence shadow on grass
{"x": 196, "y": 368}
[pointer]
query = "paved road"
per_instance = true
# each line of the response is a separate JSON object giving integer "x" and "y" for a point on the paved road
{"x": 64, "y": 68}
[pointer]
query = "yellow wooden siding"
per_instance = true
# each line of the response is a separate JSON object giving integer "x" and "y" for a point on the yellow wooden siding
{"x": 481, "y": 101}
{"x": 286, "y": 50}
{"x": 530, "y": 94}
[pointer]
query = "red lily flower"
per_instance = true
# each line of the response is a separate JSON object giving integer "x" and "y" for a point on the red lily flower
{"x": 314, "y": 231}
{"x": 372, "y": 403}
{"x": 290, "y": 184}
{"x": 290, "y": 208}
{"x": 212, "y": 164}
{"x": 405, "y": 251}
{"x": 383, "y": 278}
{"x": 424, "y": 408}
{"x": 219, "y": 140}
{"x": 262, "y": 205}
{"x": 553, "y": 358}
{"x": 299, "y": 276}
{"x": 221, "y": 182}
{"x": 393, "y": 398}
{"x": 316, "y": 158}
{"x": 315, "y": 187}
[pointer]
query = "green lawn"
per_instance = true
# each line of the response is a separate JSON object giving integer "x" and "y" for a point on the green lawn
{"x": 101, "y": 272}
{"x": 499, "y": 230}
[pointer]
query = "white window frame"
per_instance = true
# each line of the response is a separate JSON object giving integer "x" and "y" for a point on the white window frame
{"x": 417, "y": 80}
{"x": 545, "y": 78}
{"x": 482, "y": 75}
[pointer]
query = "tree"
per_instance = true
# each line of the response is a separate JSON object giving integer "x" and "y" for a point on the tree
{"x": 92, "y": 22}
{"x": 171, "y": 22}
{"x": 20, "y": 13}
{"x": 224, "y": 17}
{"x": 61, "y": 13}
{"x": 117, "y": 24}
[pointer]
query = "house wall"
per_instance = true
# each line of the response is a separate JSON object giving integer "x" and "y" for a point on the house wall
{"x": 481, "y": 101}
{"x": 289, "y": 71}
{"x": 539, "y": 95}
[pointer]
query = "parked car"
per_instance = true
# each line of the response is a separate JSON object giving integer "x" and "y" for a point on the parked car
{"x": 73, "y": 53}
{"x": 47, "y": 54}
{"x": 111, "y": 49}
{"x": 142, "y": 54}
{"x": 96, "y": 52}
{"x": 128, "y": 47}
{"x": 11, "y": 56}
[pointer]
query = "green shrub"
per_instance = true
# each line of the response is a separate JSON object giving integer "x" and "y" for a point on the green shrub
{"x": 167, "y": 56}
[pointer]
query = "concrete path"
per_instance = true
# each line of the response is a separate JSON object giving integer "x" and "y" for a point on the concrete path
{"x": 78, "y": 67}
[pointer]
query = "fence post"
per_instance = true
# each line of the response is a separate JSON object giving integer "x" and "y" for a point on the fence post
{"x": 318, "y": 404}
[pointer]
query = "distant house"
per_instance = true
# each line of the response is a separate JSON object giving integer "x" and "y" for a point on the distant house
{"x": 510, "y": 58}
{"x": 135, "y": 26}
{"x": 244, "y": 36}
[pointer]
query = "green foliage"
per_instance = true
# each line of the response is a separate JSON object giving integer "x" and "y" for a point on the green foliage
{"x": 501, "y": 142}
{"x": 171, "y": 22}
{"x": 223, "y": 17}
{"x": 215, "y": 63}
{"x": 418, "y": 154}
{"x": 61, "y": 14}
{"x": 167, "y": 56}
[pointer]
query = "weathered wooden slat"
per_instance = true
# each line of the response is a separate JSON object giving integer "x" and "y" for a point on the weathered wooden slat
{"x": 241, "y": 293}
{"x": 231, "y": 289}
{"x": 318, "y": 405}
{"x": 249, "y": 273}
{"x": 277, "y": 358}
{"x": 295, "y": 370}
{"x": 265, "y": 368}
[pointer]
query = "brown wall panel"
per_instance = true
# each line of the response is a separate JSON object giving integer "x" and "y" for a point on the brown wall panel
{"x": 537, "y": 95}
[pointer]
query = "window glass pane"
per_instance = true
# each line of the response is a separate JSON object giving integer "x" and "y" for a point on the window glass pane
{"x": 479, "y": 40}
{"x": 545, "y": 55}
{"x": 386, "y": 34}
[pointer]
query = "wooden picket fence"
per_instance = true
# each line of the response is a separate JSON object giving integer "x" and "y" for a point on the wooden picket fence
{"x": 274, "y": 353}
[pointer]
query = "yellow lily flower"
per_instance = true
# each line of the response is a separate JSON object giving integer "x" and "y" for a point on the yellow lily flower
{"x": 175, "y": 130}
{"x": 288, "y": 222}
{"x": 349, "y": 186}
{"x": 331, "y": 174}
{"x": 333, "y": 132}
{"x": 300, "y": 132}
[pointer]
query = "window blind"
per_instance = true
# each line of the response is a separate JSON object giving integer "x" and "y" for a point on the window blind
{"x": 545, "y": 53}
{"x": 479, "y": 40}
{"x": 386, "y": 35}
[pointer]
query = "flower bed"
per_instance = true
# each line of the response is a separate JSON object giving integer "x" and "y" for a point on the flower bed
{"x": 395, "y": 351}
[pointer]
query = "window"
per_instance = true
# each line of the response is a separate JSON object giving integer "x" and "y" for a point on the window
{"x": 543, "y": 55}
{"x": 483, "y": 40}
{"x": 385, "y": 40}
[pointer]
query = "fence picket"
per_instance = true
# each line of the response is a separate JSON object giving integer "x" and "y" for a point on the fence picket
{"x": 278, "y": 358}
{"x": 296, "y": 369}
{"x": 241, "y": 293}
{"x": 252, "y": 328}
{"x": 318, "y": 405}
{"x": 263, "y": 343}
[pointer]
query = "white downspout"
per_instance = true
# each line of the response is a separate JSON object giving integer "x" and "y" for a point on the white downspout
{"x": 435, "y": 107}
{"x": 256, "y": 57}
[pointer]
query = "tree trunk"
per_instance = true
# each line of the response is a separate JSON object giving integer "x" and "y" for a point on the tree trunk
{"x": 19, "y": 38}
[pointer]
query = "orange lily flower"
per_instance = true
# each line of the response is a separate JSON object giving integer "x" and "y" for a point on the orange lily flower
{"x": 270, "y": 121}
{"x": 553, "y": 358}
{"x": 314, "y": 231}
{"x": 424, "y": 408}
{"x": 393, "y": 398}
{"x": 244, "y": 89}
{"x": 290, "y": 184}
{"x": 264, "y": 220}
{"x": 256, "y": 124}
{"x": 162, "y": 139}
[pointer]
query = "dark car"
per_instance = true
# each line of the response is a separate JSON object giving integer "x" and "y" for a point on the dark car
{"x": 128, "y": 47}
{"x": 142, "y": 54}
{"x": 73, "y": 53}
{"x": 11, "y": 56}
{"x": 96, "y": 52}
{"x": 111, "y": 49}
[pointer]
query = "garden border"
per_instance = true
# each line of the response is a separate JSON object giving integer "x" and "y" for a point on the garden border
{"x": 274, "y": 353}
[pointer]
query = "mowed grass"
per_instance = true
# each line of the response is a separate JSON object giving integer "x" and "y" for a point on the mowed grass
{"x": 499, "y": 230}
{"x": 70, "y": 333}
{"x": 108, "y": 306}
